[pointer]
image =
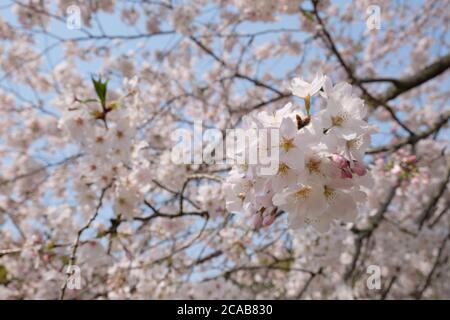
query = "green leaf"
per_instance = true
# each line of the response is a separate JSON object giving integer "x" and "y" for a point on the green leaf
{"x": 3, "y": 275}
{"x": 308, "y": 15}
{"x": 284, "y": 265}
{"x": 100, "y": 88}
{"x": 101, "y": 233}
{"x": 88, "y": 101}
{"x": 65, "y": 260}
{"x": 113, "y": 105}
{"x": 50, "y": 245}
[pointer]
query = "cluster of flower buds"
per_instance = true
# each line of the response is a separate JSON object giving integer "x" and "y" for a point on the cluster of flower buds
{"x": 348, "y": 168}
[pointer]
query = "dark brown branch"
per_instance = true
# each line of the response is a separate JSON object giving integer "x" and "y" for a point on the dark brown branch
{"x": 158, "y": 214}
{"x": 430, "y": 207}
{"x": 419, "y": 293}
{"x": 443, "y": 119}
{"x": 363, "y": 234}
{"x": 385, "y": 293}
{"x": 195, "y": 177}
{"x": 256, "y": 82}
{"x": 308, "y": 283}
{"x": 73, "y": 255}
{"x": 429, "y": 72}
{"x": 354, "y": 80}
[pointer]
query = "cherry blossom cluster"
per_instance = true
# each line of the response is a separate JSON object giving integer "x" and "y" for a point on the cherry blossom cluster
{"x": 321, "y": 175}
{"x": 107, "y": 125}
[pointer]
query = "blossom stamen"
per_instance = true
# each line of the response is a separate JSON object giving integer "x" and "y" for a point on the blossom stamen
{"x": 303, "y": 192}
{"x": 313, "y": 165}
{"x": 287, "y": 144}
{"x": 283, "y": 168}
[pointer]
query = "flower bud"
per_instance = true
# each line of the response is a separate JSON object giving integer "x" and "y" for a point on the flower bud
{"x": 257, "y": 221}
{"x": 268, "y": 220}
{"x": 410, "y": 159}
{"x": 346, "y": 174}
{"x": 359, "y": 168}
{"x": 339, "y": 160}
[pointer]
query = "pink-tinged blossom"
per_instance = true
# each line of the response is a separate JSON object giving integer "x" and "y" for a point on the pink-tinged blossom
{"x": 319, "y": 177}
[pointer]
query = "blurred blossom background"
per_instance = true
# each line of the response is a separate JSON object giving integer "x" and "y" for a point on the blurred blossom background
{"x": 91, "y": 92}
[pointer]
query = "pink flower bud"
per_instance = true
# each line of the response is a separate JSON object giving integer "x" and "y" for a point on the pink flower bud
{"x": 46, "y": 258}
{"x": 346, "y": 174}
{"x": 396, "y": 169}
{"x": 339, "y": 160}
{"x": 359, "y": 168}
{"x": 268, "y": 220}
{"x": 257, "y": 221}
{"x": 410, "y": 159}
